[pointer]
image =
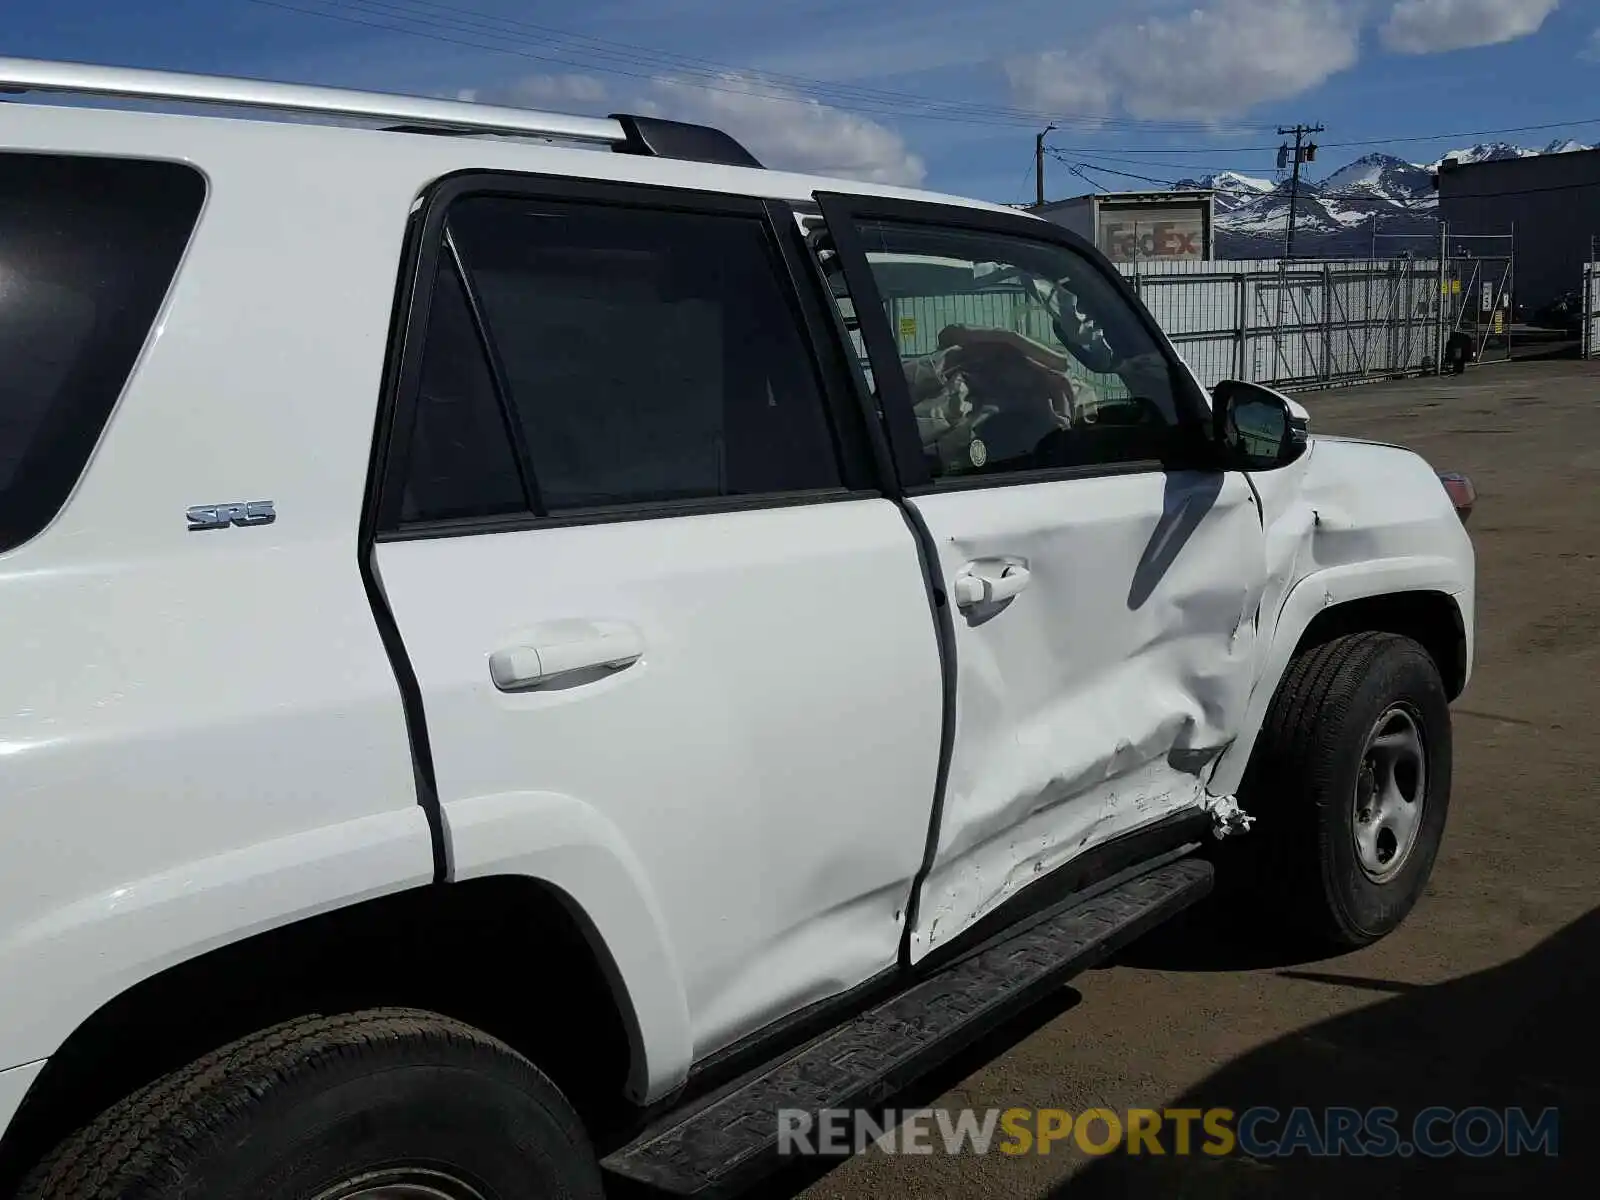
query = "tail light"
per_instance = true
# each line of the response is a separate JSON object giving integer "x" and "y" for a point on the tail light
{"x": 1462, "y": 494}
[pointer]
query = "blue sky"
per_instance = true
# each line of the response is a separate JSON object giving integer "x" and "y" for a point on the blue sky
{"x": 932, "y": 92}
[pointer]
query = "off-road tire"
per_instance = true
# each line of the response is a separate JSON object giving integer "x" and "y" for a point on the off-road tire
{"x": 289, "y": 1112}
{"x": 1300, "y": 859}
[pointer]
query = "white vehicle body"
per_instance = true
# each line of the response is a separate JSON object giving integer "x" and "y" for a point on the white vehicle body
{"x": 202, "y": 736}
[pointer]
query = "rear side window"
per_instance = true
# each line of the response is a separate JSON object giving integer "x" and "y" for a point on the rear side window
{"x": 643, "y": 357}
{"x": 88, "y": 249}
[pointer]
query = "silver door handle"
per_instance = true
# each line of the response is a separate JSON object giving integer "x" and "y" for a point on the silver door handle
{"x": 517, "y": 668}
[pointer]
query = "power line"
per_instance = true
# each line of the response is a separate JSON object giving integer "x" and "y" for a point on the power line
{"x": 609, "y": 48}
{"x": 1079, "y": 170}
{"x": 504, "y": 48}
{"x": 1470, "y": 133}
{"x": 1073, "y": 163}
{"x": 581, "y": 51}
{"x": 1344, "y": 194}
{"x": 1188, "y": 150}
{"x": 452, "y": 25}
{"x": 1396, "y": 140}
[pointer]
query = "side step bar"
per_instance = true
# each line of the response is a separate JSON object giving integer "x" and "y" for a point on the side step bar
{"x": 733, "y": 1140}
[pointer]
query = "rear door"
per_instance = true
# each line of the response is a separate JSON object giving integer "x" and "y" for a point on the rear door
{"x": 1101, "y": 582}
{"x": 633, "y": 543}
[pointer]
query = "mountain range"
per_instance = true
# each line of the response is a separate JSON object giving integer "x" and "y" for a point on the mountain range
{"x": 1378, "y": 204}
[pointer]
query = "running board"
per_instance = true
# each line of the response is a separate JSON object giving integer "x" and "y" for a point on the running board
{"x": 731, "y": 1141}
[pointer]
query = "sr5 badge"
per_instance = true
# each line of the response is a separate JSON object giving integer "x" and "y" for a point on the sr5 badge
{"x": 221, "y": 516}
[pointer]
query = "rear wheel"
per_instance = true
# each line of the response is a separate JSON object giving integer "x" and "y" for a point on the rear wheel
{"x": 390, "y": 1104}
{"x": 1350, "y": 783}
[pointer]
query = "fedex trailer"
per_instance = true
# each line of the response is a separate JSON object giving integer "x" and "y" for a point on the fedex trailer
{"x": 1133, "y": 226}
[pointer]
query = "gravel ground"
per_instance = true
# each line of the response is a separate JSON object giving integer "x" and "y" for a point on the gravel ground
{"x": 1485, "y": 997}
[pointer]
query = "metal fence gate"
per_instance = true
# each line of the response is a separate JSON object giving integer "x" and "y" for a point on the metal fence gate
{"x": 1299, "y": 324}
{"x": 1591, "y": 310}
{"x": 1479, "y": 304}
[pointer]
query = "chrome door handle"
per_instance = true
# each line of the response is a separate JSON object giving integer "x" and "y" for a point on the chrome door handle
{"x": 517, "y": 668}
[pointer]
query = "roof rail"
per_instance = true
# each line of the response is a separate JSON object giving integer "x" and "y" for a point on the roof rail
{"x": 411, "y": 114}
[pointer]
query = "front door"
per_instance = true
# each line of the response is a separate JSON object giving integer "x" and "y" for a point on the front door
{"x": 1101, "y": 581}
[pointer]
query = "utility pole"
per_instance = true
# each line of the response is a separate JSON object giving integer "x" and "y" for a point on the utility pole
{"x": 1303, "y": 153}
{"x": 1447, "y": 320}
{"x": 1038, "y": 163}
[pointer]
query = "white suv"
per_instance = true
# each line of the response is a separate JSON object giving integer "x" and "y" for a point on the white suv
{"x": 530, "y": 651}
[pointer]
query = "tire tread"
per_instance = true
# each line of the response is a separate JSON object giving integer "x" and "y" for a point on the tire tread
{"x": 1293, "y": 770}
{"x": 151, "y": 1133}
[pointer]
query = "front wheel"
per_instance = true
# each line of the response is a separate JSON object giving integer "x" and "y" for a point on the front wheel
{"x": 385, "y": 1104}
{"x": 1350, "y": 782}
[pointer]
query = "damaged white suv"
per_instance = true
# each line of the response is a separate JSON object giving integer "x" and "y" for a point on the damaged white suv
{"x": 531, "y": 651}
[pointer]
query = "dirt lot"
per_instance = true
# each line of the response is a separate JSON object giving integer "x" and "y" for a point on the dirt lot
{"x": 1488, "y": 996}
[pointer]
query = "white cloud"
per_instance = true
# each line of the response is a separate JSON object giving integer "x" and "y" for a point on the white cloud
{"x": 1207, "y": 64}
{"x": 1433, "y": 26}
{"x": 786, "y": 130}
{"x": 1592, "y": 50}
{"x": 783, "y": 129}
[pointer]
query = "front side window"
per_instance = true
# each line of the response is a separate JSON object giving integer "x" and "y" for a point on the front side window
{"x": 1020, "y": 355}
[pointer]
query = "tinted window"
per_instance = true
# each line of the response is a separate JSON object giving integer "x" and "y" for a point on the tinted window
{"x": 88, "y": 249}
{"x": 649, "y": 356}
{"x": 461, "y": 461}
{"x": 1020, "y": 355}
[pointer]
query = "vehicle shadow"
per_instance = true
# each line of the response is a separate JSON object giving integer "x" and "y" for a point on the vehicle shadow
{"x": 1222, "y": 933}
{"x": 1517, "y": 1036}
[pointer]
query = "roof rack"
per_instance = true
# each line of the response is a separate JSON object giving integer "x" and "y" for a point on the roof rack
{"x": 411, "y": 114}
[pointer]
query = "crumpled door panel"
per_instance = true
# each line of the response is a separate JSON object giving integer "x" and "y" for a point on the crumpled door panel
{"x": 1092, "y": 702}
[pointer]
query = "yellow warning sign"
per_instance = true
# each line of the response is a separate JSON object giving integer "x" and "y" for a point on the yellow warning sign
{"x": 1499, "y": 322}
{"x": 908, "y": 327}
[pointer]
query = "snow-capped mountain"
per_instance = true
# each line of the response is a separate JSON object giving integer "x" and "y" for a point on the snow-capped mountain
{"x": 1269, "y": 213}
{"x": 1383, "y": 177}
{"x": 1338, "y": 216}
{"x": 1233, "y": 190}
{"x": 1485, "y": 152}
{"x": 1500, "y": 151}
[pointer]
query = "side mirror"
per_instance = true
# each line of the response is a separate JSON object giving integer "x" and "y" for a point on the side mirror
{"x": 1256, "y": 428}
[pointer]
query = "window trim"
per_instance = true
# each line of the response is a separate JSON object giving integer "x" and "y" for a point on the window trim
{"x": 836, "y": 335}
{"x": 418, "y": 282}
{"x": 652, "y": 510}
{"x": 521, "y": 457}
{"x": 842, "y": 211}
